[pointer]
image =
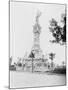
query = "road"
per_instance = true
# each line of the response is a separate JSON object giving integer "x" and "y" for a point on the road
{"x": 19, "y": 79}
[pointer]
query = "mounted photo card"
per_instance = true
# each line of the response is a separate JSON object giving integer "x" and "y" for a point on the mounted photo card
{"x": 37, "y": 53}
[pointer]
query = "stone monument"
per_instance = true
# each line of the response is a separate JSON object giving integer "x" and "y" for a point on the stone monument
{"x": 36, "y": 31}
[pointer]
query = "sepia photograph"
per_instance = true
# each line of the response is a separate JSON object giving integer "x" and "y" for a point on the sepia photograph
{"x": 37, "y": 44}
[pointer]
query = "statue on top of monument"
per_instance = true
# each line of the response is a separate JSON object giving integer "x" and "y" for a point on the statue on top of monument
{"x": 36, "y": 26}
{"x": 38, "y": 15}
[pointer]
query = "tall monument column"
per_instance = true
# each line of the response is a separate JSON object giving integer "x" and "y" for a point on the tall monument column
{"x": 37, "y": 30}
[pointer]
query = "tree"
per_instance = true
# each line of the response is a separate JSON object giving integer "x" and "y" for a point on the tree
{"x": 19, "y": 63}
{"x": 51, "y": 56}
{"x": 64, "y": 28}
{"x": 63, "y": 64}
{"x": 58, "y": 32}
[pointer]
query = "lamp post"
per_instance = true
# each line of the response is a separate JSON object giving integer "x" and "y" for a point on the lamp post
{"x": 32, "y": 56}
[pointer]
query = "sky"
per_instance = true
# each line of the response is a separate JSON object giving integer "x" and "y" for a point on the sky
{"x": 22, "y": 19}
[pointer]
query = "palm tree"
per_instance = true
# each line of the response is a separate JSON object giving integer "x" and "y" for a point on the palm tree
{"x": 51, "y": 56}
